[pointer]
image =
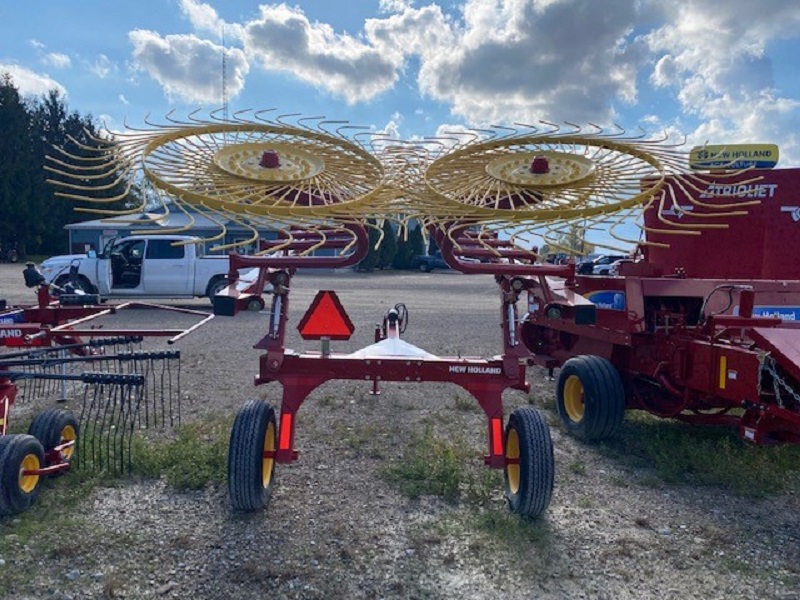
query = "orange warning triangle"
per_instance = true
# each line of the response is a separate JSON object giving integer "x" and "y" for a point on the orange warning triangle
{"x": 326, "y": 317}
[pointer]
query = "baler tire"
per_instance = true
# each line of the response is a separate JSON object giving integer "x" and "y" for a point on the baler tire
{"x": 19, "y": 492}
{"x": 590, "y": 397}
{"x": 250, "y": 474}
{"x": 529, "y": 478}
{"x": 54, "y": 427}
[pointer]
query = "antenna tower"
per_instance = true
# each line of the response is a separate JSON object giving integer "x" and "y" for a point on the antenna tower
{"x": 224, "y": 79}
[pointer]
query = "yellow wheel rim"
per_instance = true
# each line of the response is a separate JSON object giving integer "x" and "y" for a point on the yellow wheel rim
{"x": 573, "y": 399}
{"x": 268, "y": 463}
{"x": 68, "y": 434}
{"x": 28, "y": 483}
{"x": 512, "y": 453}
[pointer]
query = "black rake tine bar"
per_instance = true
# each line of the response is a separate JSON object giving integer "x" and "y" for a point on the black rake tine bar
{"x": 87, "y": 378}
{"x": 121, "y": 357}
{"x": 94, "y": 343}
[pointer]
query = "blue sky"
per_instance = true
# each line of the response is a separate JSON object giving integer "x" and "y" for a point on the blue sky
{"x": 718, "y": 72}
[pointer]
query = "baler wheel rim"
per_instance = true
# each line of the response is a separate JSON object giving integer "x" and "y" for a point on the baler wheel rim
{"x": 574, "y": 401}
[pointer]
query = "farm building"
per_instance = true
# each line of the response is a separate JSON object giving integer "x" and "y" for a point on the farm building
{"x": 95, "y": 234}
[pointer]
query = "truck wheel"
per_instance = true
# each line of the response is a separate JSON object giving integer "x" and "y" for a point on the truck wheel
{"x": 255, "y": 304}
{"x": 216, "y": 285}
{"x": 530, "y": 467}
{"x": 250, "y": 473}
{"x": 76, "y": 281}
{"x": 54, "y": 427}
{"x": 18, "y": 453}
{"x": 590, "y": 397}
{"x": 424, "y": 267}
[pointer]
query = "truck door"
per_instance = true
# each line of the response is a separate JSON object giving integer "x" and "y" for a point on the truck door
{"x": 167, "y": 270}
{"x": 103, "y": 266}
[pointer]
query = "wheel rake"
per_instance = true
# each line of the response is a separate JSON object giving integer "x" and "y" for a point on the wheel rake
{"x": 322, "y": 190}
{"x": 60, "y": 360}
{"x": 124, "y": 392}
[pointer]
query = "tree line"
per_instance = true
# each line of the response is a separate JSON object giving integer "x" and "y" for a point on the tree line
{"x": 32, "y": 217}
{"x": 395, "y": 248}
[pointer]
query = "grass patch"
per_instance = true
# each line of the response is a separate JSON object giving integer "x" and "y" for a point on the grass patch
{"x": 513, "y": 530}
{"x": 466, "y": 404}
{"x": 429, "y": 467}
{"x": 196, "y": 457}
{"x": 694, "y": 455}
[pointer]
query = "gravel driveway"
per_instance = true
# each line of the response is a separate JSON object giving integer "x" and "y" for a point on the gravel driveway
{"x": 335, "y": 528}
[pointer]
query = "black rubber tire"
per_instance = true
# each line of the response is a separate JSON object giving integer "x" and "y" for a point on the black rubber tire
{"x": 425, "y": 267}
{"x": 5, "y": 443}
{"x": 14, "y": 451}
{"x": 528, "y": 483}
{"x": 217, "y": 284}
{"x": 246, "y": 482}
{"x": 603, "y": 398}
{"x": 52, "y": 428}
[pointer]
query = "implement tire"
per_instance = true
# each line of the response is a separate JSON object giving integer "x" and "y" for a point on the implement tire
{"x": 590, "y": 397}
{"x": 18, "y": 492}
{"x": 530, "y": 467}
{"x": 250, "y": 473}
{"x": 54, "y": 427}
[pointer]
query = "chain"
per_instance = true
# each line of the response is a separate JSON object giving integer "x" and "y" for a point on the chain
{"x": 779, "y": 382}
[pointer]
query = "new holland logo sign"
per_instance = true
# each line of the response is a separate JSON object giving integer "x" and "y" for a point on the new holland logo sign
{"x": 734, "y": 156}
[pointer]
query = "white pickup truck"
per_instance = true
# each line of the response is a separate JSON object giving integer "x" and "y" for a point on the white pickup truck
{"x": 142, "y": 266}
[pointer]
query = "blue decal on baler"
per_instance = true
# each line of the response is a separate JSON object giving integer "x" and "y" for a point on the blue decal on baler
{"x": 785, "y": 313}
{"x": 612, "y": 299}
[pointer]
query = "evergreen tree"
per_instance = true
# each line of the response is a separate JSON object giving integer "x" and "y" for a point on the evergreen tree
{"x": 18, "y": 171}
{"x": 388, "y": 246}
{"x": 371, "y": 259}
{"x": 32, "y": 129}
{"x": 408, "y": 248}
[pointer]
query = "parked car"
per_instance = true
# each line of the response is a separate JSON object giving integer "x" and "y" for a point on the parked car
{"x": 613, "y": 269}
{"x": 599, "y": 265}
{"x": 429, "y": 262}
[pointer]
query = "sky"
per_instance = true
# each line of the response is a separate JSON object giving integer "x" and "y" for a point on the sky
{"x": 714, "y": 71}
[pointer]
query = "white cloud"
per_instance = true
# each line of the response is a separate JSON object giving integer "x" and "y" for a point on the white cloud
{"x": 394, "y": 5}
{"x": 123, "y": 99}
{"x": 102, "y": 66}
{"x": 187, "y": 67}
{"x": 716, "y": 62}
{"x": 30, "y": 83}
{"x": 36, "y": 44}
{"x": 57, "y": 60}
{"x": 522, "y": 60}
{"x": 204, "y": 18}
{"x": 283, "y": 39}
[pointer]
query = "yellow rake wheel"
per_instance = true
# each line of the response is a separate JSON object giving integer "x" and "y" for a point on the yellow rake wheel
{"x": 251, "y": 462}
{"x": 57, "y": 427}
{"x": 530, "y": 467}
{"x": 19, "y": 454}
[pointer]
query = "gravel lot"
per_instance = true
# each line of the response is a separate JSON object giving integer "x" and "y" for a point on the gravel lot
{"x": 336, "y": 529}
